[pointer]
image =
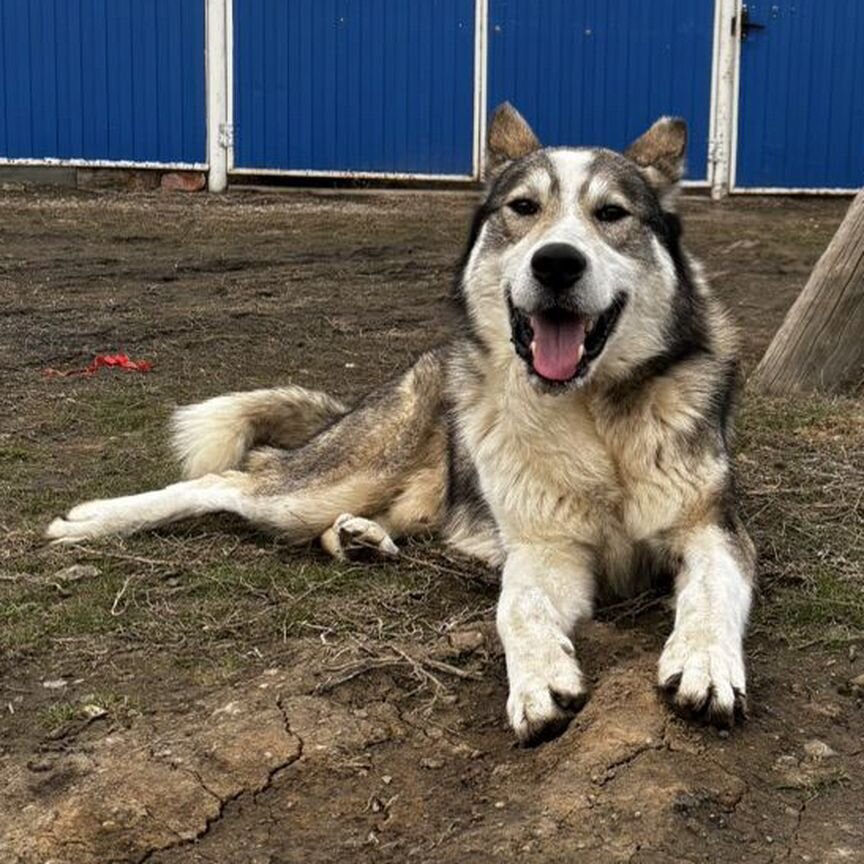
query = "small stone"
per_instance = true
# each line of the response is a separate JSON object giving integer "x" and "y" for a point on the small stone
{"x": 723, "y": 733}
{"x": 499, "y": 805}
{"x": 432, "y": 764}
{"x": 93, "y": 711}
{"x": 466, "y": 641}
{"x": 817, "y": 750}
{"x": 38, "y": 766}
{"x": 857, "y": 681}
{"x": 77, "y": 572}
{"x": 853, "y": 653}
{"x": 386, "y": 779}
{"x": 55, "y": 684}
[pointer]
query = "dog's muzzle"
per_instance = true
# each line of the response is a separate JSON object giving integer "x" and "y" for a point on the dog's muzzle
{"x": 558, "y": 344}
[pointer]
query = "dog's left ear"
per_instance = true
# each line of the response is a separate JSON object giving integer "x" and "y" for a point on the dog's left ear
{"x": 509, "y": 138}
{"x": 660, "y": 155}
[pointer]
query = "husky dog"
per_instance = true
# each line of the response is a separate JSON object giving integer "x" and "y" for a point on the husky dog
{"x": 575, "y": 432}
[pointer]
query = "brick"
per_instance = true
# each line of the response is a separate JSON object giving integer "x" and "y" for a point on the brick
{"x": 184, "y": 181}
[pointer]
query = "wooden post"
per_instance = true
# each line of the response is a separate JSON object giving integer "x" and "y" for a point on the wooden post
{"x": 820, "y": 345}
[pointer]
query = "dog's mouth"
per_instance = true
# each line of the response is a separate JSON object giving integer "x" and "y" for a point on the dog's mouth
{"x": 560, "y": 345}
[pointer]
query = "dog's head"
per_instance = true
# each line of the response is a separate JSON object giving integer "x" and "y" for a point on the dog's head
{"x": 574, "y": 253}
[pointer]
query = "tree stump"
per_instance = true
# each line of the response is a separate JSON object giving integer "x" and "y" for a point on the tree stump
{"x": 820, "y": 345}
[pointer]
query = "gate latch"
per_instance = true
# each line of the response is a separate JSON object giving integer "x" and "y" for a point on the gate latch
{"x": 226, "y": 135}
{"x": 746, "y": 24}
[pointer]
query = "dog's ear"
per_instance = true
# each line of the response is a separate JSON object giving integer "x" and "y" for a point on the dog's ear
{"x": 509, "y": 138}
{"x": 659, "y": 152}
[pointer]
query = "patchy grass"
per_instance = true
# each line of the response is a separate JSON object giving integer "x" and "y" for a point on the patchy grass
{"x": 219, "y": 588}
{"x": 211, "y": 594}
{"x": 59, "y": 714}
{"x": 802, "y": 469}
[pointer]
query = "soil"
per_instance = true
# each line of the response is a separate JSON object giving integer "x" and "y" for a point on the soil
{"x": 207, "y": 694}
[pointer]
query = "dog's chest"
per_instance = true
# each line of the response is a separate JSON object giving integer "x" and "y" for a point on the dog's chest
{"x": 549, "y": 475}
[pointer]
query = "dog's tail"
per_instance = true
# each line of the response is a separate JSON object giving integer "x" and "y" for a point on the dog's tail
{"x": 215, "y": 436}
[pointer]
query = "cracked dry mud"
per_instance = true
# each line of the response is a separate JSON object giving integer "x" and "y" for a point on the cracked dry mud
{"x": 277, "y": 758}
{"x": 269, "y": 770}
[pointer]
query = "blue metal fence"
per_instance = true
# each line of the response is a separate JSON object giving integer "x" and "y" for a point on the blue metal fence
{"x": 118, "y": 80}
{"x": 354, "y": 85}
{"x": 801, "y": 114}
{"x": 388, "y": 86}
{"x": 601, "y": 71}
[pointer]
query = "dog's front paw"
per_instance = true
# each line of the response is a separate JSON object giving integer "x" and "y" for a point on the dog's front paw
{"x": 704, "y": 678}
{"x": 546, "y": 693}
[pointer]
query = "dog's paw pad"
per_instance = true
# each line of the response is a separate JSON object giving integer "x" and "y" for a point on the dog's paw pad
{"x": 361, "y": 538}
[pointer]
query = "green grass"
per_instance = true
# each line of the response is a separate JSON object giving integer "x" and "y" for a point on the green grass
{"x": 59, "y": 714}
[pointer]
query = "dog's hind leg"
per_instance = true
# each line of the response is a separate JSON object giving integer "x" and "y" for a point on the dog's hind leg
{"x": 385, "y": 459}
{"x": 230, "y": 492}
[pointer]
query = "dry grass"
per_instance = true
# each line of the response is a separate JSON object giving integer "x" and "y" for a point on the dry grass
{"x": 802, "y": 474}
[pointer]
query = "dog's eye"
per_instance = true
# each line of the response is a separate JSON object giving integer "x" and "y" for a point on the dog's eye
{"x": 523, "y": 206}
{"x": 610, "y": 213}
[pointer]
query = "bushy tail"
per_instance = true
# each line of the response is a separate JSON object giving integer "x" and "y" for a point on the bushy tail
{"x": 215, "y": 436}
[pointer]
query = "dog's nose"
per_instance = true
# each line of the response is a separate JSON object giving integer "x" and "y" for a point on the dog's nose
{"x": 558, "y": 265}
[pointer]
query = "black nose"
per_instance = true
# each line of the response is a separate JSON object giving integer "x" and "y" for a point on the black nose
{"x": 558, "y": 265}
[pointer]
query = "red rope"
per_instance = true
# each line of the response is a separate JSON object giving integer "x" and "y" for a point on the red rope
{"x": 119, "y": 361}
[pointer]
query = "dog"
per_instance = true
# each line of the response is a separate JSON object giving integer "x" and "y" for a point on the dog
{"x": 575, "y": 432}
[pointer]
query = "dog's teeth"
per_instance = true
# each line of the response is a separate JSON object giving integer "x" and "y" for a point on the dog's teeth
{"x": 581, "y": 352}
{"x": 589, "y": 325}
{"x": 532, "y": 346}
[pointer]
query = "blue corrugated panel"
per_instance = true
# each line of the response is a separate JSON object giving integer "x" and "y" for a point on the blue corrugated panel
{"x": 801, "y": 109}
{"x": 599, "y": 72}
{"x": 103, "y": 79}
{"x": 354, "y": 85}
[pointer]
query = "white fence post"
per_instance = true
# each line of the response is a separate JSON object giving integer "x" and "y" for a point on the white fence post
{"x": 217, "y": 95}
{"x": 725, "y": 96}
{"x": 481, "y": 65}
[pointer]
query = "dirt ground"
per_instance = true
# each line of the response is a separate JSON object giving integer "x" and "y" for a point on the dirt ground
{"x": 208, "y": 694}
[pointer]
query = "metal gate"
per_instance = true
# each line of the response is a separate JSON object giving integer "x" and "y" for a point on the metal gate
{"x": 354, "y": 87}
{"x": 801, "y": 96}
{"x": 601, "y": 71}
{"x": 90, "y": 82}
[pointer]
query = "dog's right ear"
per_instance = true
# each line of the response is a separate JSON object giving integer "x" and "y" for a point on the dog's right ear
{"x": 509, "y": 138}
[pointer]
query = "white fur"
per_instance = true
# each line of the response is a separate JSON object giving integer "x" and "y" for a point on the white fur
{"x": 545, "y": 591}
{"x": 132, "y": 513}
{"x": 711, "y": 610}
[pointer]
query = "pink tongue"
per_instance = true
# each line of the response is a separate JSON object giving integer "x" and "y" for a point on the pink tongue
{"x": 557, "y": 346}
